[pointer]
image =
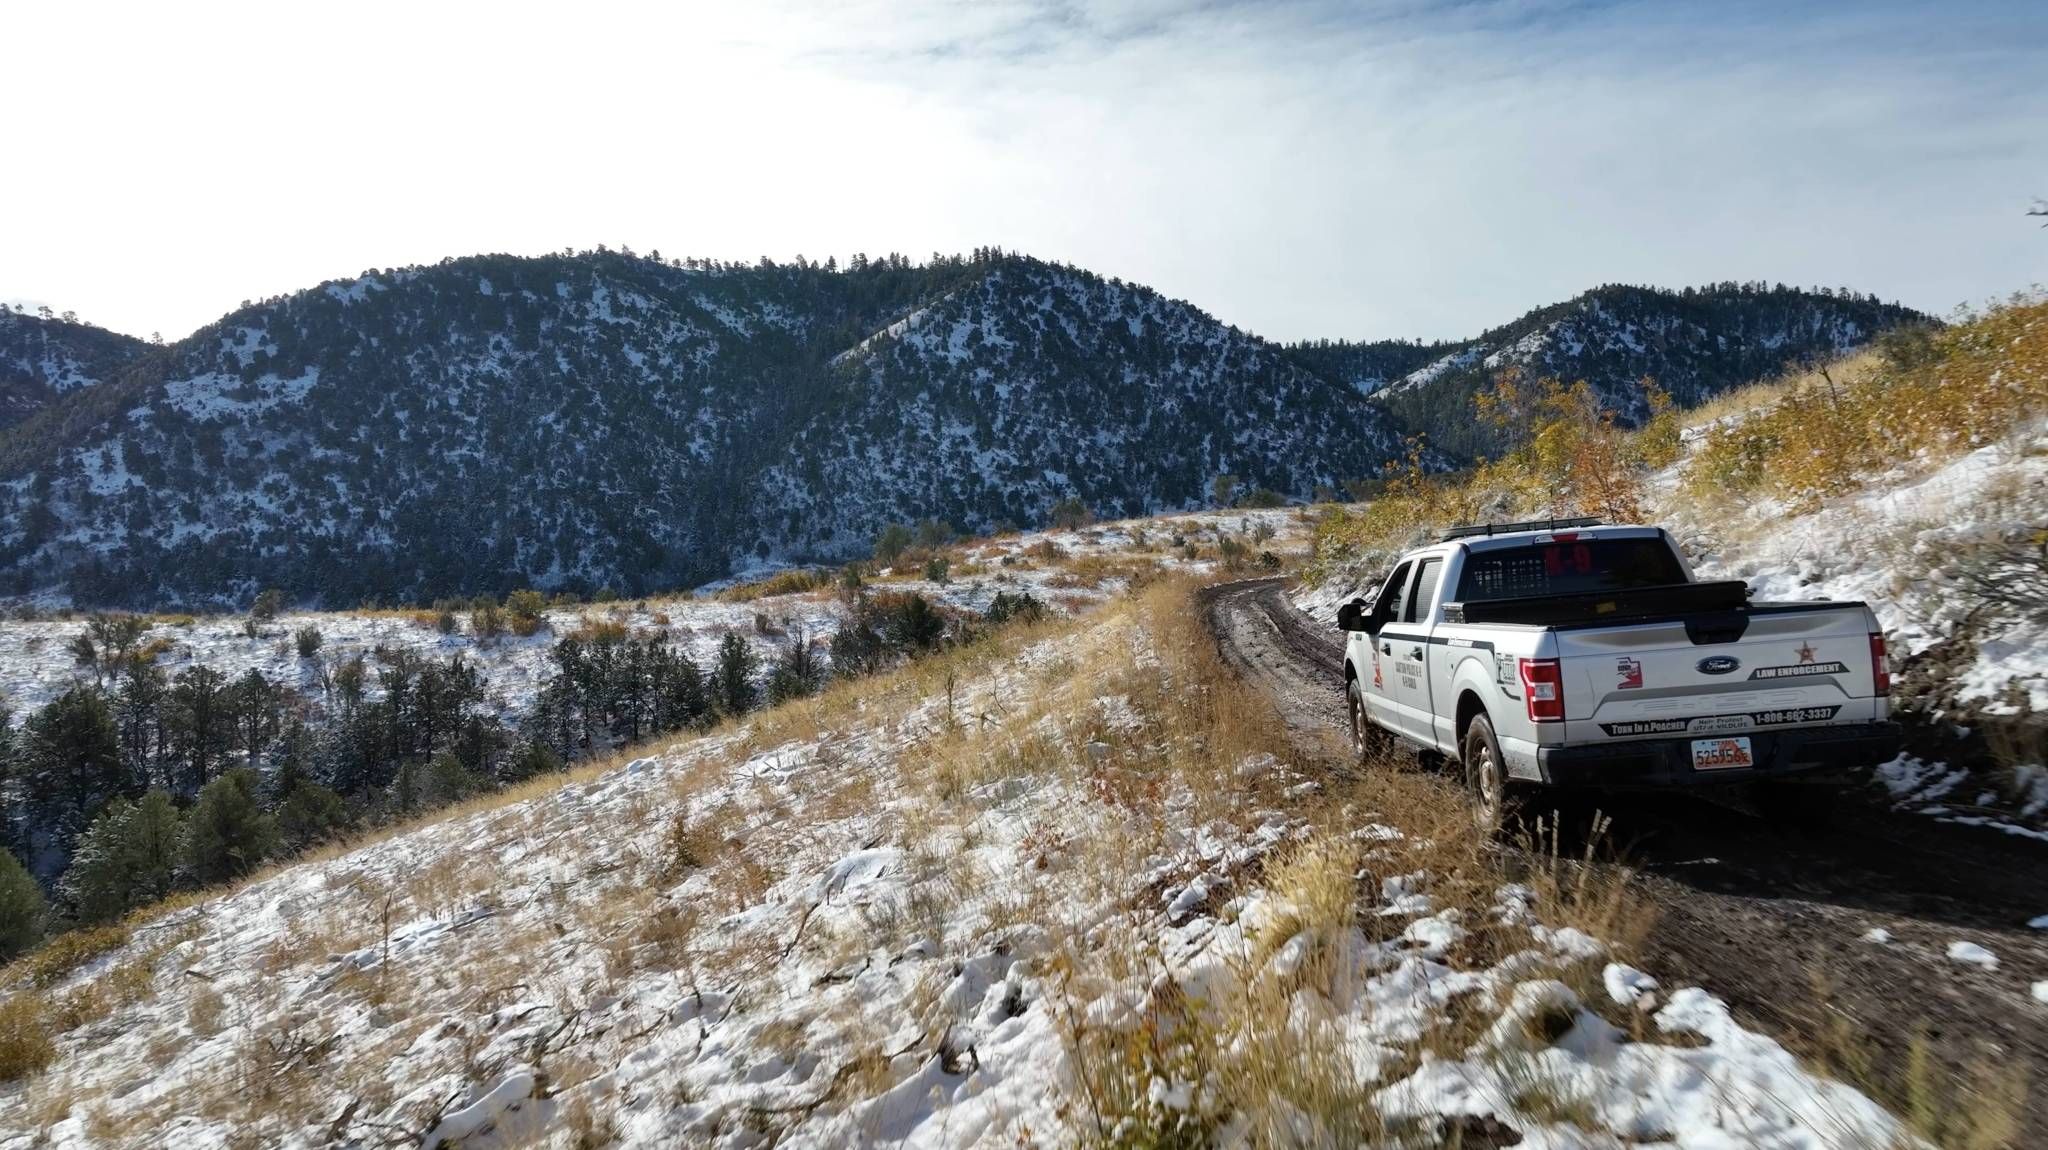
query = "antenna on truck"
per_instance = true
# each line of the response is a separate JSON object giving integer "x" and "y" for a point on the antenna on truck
{"x": 1471, "y": 529}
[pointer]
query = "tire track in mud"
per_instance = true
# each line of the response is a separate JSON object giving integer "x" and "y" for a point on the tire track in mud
{"x": 1758, "y": 914}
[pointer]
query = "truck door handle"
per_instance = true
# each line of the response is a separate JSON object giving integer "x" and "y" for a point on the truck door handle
{"x": 1386, "y": 648}
{"x": 1416, "y": 654}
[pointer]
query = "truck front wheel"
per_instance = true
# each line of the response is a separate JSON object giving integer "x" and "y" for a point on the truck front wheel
{"x": 1486, "y": 778}
{"x": 1368, "y": 741}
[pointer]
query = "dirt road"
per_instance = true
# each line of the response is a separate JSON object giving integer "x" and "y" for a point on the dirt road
{"x": 1762, "y": 915}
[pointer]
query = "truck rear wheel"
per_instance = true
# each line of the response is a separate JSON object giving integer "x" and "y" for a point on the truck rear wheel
{"x": 1368, "y": 742}
{"x": 1487, "y": 787}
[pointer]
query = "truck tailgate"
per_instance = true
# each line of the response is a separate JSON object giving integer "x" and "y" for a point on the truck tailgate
{"x": 1793, "y": 665}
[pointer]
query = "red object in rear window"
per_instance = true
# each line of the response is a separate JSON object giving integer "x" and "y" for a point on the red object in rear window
{"x": 1880, "y": 669}
{"x": 1542, "y": 689}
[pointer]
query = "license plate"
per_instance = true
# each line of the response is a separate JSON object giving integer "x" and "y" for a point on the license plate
{"x": 1722, "y": 754}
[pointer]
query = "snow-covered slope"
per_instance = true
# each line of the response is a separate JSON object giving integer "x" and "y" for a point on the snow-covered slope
{"x": 1037, "y": 383}
{"x": 936, "y": 922}
{"x": 37, "y": 663}
{"x": 42, "y": 359}
{"x": 606, "y": 420}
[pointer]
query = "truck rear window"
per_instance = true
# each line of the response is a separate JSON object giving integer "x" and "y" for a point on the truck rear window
{"x": 1568, "y": 568}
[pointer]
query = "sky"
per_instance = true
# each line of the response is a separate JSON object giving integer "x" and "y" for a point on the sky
{"x": 1403, "y": 168}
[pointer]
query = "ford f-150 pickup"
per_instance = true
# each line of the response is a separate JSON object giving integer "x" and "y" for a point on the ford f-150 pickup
{"x": 1571, "y": 653}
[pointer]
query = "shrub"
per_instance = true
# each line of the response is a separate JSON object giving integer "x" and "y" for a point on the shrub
{"x": 308, "y": 639}
{"x": 893, "y": 540}
{"x": 485, "y": 620}
{"x": 1926, "y": 396}
{"x": 1261, "y": 498}
{"x": 21, "y": 908}
{"x": 25, "y": 1045}
{"x": 1020, "y": 607}
{"x": 789, "y": 582}
{"x": 526, "y": 611}
{"x": 267, "y": 604}
{"x": 1070, "y": 513}
{"x": 71, "y": 950}
{"x": 938, "y": 570}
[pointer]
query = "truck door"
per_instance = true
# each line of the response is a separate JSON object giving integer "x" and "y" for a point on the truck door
{"x": 1404, "y": 649}
{"x": 1377, "y": 677}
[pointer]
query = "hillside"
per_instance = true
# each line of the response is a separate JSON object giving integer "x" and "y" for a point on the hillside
{"x": 1036, "y": 383}
{"x": 1695, "y": 343}
{"x": 1037, "y": 890}
{"x": 43, "y": 359}
{"x": 603, "y": 420}
{"x": 611, "y": 421}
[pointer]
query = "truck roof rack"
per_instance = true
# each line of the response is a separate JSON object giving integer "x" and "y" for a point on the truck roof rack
{"x": 1473, "y": 529}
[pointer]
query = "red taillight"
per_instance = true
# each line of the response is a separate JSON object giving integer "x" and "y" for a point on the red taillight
{"x": 1542, "y": 689}
{"x": 1880, "y": 670}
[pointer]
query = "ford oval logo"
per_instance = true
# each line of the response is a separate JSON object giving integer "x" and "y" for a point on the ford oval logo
{"x": 1719, "y": 664}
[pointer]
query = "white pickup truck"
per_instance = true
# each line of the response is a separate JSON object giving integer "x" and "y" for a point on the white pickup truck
{"x": 1569, "y": 653}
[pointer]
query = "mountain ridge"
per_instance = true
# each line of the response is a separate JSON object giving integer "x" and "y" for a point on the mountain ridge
{"x": 602, "y": 419}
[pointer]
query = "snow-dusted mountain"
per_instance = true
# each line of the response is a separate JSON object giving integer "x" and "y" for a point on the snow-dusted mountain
{"x": 607, "y": 420}
{"x": 1033, "y": 383}
{"x": 1694, "y": 343}
{"x": 42, "y": 359}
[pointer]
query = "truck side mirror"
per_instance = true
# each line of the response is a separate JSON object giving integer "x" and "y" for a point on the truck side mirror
{"x": 1352, "y": 616}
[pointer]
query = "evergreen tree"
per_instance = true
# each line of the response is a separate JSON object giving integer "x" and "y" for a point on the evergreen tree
{"x": 255, "y": 712}
{"x": 127, "y": 858}
{"x": 140, "y": 717}
{"x": 797, "y": 673}
{"x": 21, "y": 908}
{"x": 308, "y": 814}
{"x": 71, "y": 764}
{"x": 732, "y": 682}
{"x": 446, "y": 781}
{"x": 533, "y": 758}
{"x": 228, "y": 833}
{"x": 202, "y": 724}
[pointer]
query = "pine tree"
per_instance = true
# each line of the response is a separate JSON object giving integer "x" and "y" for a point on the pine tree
{"x": 228, "y": 833}
{"x": 202, "y": 723}
{"x": 797, "y": 673}
{"x": 732, "y": 683}
{"x": 127, "y": 858}
{"x": 446, "y": 781}
{"x": 21, "y": 908}
{"x": 308, "y": 814}
{"x": 72, "y": 761}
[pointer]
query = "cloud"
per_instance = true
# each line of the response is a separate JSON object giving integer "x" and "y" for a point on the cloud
{"x": 1300, "y": 168}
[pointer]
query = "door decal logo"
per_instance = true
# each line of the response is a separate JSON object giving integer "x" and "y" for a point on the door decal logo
{"x": 1378, "y": 684}
{"x": 1630, "y": 672}
{"x": 1806, "y": 652}
{"x": 1719, "y": 665}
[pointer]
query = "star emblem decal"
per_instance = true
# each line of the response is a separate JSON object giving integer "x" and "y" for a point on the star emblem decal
{"x": 1806, "y": 652}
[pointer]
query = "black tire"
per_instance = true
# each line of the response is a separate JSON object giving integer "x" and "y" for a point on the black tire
{"x": 1369, "y": 742}
{"x": 1491, "y": 795}
{"x": 1797, "y": 806}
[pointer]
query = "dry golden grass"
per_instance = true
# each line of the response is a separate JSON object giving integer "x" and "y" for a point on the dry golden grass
{"x": 1920, "y": 403}
{"x": 27, "y": 1044}
{"x": 54, "y": 961}
{"x": 792, "y": 582}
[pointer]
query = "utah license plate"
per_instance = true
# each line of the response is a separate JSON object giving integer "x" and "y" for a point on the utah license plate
{"x": 1722, "y": 754}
